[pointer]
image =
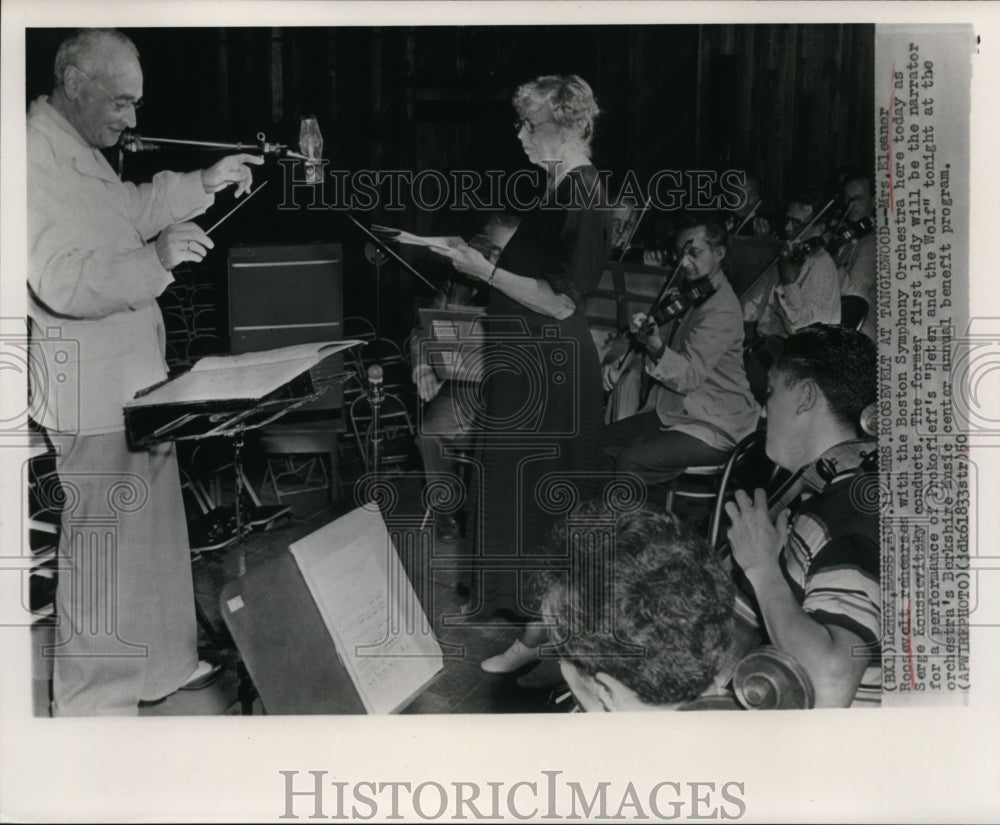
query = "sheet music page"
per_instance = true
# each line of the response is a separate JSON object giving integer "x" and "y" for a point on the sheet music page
{"x": 361, "y": 589}
{"x": 250, "y": 376}
{"x": 401, "y": 236}
{"x": 272, "y": 356}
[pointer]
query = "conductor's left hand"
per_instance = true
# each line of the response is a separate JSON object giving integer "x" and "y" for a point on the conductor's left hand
{"x": 468, "y": 261}
{"x": 231, "y": 169}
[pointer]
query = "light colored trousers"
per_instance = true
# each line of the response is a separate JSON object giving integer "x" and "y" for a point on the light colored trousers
{"x": 125, "y": 600}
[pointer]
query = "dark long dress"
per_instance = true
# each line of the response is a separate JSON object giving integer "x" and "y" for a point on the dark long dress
{"x": 540, "y": 446}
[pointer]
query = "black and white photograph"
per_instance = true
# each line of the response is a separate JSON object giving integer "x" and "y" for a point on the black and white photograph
{"x": 394, "y": 388}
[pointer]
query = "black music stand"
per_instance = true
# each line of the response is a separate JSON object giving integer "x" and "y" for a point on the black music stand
{"x": 234, "y": 426}
{"x": 380, "y": 254}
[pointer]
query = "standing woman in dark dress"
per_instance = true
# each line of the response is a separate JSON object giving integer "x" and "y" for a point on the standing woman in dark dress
{"x": 543, "y": 391}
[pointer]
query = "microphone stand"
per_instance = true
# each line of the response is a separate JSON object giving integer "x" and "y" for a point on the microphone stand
{"x": 131, "y": 142}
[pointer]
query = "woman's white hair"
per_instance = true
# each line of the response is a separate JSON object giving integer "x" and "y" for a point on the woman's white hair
{"x": 574, "y": 107}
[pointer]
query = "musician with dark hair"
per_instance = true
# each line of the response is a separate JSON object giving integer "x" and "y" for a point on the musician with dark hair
{"x": 814, "y": 569}
{"x": 699, "y": 403}
{"x": 802, "y": 289}
{"x": 855, "y": 256}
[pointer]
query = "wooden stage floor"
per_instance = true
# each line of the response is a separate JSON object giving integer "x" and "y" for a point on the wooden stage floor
{"x": 461, "y": 687}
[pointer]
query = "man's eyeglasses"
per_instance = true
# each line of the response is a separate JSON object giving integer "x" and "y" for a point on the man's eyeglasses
{"x": 119, "y": 104}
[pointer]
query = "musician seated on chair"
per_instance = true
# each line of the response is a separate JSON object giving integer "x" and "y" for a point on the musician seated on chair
{"x": 692, "y": 393}
{"x": 802, "y": 289}
{"x": 855, "y": 256}
{"x": 669, "y": 623}
{"x": 814, "y": 570}
{"x": 442, "y": 422}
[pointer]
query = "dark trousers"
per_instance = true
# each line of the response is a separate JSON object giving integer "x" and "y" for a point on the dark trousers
{"x": 638, "y": 445}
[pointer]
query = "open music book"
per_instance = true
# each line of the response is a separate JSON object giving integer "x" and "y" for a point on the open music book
{"x": 441, "y": 243}
{"x": 249, "y": 376}
{"x": 381, "y": 633}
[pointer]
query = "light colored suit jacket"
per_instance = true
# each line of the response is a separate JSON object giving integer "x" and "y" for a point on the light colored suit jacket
{"x": 701, "y": 385}
{"x": 97, "y": 332}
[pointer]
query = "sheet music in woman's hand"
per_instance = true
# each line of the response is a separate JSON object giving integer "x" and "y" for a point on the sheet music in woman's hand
{"x": 440, "y": 243}
{"x": 249, "y": 376}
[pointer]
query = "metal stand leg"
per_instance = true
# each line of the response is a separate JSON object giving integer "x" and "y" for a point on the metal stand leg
{"x": 246, "y": 693}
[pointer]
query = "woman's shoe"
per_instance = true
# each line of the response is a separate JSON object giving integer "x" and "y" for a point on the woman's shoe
{"x": 514, "y": 657}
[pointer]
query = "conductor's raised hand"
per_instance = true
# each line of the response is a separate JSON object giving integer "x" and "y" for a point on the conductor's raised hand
{"x": 182, "y": 242}
{"x": 231, "y": 169}
{"x": 467, "y": 260}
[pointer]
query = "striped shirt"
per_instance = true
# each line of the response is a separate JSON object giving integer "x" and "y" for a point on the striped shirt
{"x": 831, "y": 555}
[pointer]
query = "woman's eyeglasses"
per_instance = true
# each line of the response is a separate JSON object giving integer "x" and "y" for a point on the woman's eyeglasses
{"x": 527, "y": 125}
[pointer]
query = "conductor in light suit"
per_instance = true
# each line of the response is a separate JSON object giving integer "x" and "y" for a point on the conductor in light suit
{"x": 100, "y": 251}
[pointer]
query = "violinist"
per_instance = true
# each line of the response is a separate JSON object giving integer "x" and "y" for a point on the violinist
{"x": 699, "y": 403}
{"x": 803, "y": 288}
{"x": 748, "y": 219}
{"x": 855, "y": 256}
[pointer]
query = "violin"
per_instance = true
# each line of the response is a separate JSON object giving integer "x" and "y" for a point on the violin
{"x": 796, "y": 252}
{"x": 677, "y": 302}
{"x": 851, "y": 232}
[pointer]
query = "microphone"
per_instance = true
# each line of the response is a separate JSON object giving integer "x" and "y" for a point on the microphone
{"x": 375, "y": 375}
{"x": 131, "y": 142}
{"x": 311, "y": 146}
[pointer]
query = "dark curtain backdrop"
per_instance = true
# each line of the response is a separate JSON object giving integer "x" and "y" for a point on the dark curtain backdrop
{"x": 793, "y": 102}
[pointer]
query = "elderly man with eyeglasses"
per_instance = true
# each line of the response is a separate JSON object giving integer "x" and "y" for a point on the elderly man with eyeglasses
{"x": 100, "y": 251}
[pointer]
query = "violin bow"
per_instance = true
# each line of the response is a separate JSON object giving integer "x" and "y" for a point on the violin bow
{"x": 794, "y": 240}
{"x": 634, "y": 229}
{"x": 749, "y": 217}
{"x": 667, "y": 283}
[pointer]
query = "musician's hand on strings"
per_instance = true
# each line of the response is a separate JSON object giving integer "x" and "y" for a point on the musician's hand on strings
{"x": 755, "y": 539}
{"x": 638, "y": 322}
{"x": 789, "y": 265}
{"x": 182, "y": 242}
{"x": 654, "y": 257}
{"x": 761, "y": 227}
{"x": 467, "y": 260}
{"x": 229, "y": 170}
{"x": 427, "y": 382}
{"x": 647, "y": 332}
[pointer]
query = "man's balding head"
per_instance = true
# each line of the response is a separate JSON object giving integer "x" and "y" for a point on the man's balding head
{"x": 98, "y": 82}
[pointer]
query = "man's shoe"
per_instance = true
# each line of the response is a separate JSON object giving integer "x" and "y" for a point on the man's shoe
{"x": 514, "y": 657}
{"x": 204, "y": 675}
